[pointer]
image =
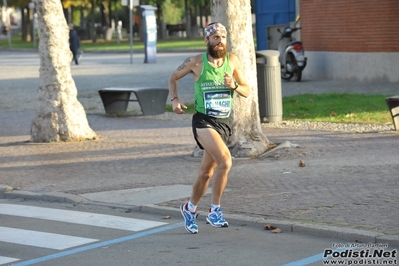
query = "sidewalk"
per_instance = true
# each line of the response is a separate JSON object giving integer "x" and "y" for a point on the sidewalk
{"x": 348, "y": 188}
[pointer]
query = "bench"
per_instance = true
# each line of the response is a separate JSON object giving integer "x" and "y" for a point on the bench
{"x": 152, "y": 101}
{"x": 393, "y": 105}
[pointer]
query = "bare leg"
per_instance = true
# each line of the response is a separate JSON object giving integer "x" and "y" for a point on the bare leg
{"x": 217, "y": 155}
{"x": 201, "y": 183}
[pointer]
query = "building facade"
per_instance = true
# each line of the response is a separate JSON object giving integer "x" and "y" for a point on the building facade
{"x": 351, "y": 39}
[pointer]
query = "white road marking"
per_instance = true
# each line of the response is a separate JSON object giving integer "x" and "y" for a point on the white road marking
{"x": 77, "y": 217}
{"x": 4, "y": 260}
{"x": 41, "y": 239}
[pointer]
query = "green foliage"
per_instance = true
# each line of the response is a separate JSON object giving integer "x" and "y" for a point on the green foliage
{"x": 76, "y": 18}
{"x": 18, "y": 3}
{"x": 172, "y": 13}
{"x": 178, "y": 3}
{"x": 76, "y": 3}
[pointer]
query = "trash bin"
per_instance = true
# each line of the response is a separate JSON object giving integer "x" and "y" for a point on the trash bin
{"x": 269, "y": 86}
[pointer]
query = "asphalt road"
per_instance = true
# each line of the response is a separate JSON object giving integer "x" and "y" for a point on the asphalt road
{"x": 163, "y": 240}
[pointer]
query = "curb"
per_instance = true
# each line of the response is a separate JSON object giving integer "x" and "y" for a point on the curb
{"x": 341, "y": 233}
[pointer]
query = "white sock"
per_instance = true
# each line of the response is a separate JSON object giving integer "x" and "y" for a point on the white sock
{"x": 213, "y": 207}
{"x": 191, "y": 207}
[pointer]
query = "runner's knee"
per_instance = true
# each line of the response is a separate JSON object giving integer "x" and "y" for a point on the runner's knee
{"x": 225, "y": 164}
{"x": 206, "y": 174}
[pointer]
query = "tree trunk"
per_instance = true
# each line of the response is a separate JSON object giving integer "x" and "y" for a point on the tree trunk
{"x": 93, "y": 30}
{"x": 248, "y": 139}
{"x": 60, "y": 116}
{"x": 29, "y": 23}
{"x": 188, "y": 19}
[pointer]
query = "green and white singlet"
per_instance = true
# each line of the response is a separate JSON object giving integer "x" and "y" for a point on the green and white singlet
{"x": 211, "y": 96}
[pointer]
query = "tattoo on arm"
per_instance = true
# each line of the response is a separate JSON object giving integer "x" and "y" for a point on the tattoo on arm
{"x": 182, "y": 65}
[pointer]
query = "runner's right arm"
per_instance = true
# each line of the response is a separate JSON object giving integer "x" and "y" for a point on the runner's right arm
{"x": 189, "y": 65}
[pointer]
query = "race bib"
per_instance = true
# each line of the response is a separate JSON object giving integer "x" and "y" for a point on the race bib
{"x": 218, "y": 103}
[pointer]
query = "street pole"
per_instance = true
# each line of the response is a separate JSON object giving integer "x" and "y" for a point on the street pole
{"x": 32, "y": 8}
{"x": 7, "y": 22}
{"x": 131, "y": 30}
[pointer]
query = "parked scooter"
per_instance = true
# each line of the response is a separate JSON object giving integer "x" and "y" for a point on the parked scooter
{"x": 292, "y": 54}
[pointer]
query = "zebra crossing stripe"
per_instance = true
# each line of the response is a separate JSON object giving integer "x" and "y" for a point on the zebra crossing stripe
{"x": 77, "y": 217}
{"x": 99, "y": 245}
{"x": 4, "y": 260}
{"x": 41, "y": 239}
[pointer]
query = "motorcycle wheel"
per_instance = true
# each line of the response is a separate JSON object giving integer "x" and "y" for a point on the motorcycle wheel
{"x": 287, "y": 76}
{"x": 290, "y": 60}
{"x": 298, "y": 75}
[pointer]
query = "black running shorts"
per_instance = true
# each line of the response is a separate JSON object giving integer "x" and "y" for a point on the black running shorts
{"x": 204, "y": 121}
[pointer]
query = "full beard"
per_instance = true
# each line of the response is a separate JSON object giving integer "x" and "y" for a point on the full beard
{"x": 214, "y": 52}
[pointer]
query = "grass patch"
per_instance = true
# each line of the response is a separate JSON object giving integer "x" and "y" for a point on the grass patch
{"x": 17, "y": 43}
{"x": 331, "y": 107}
{"x": 112, "y": 45}
{"x": 190, "y": 108}
{"x": 169, "y": 44}
{"x": 337, "y": 107}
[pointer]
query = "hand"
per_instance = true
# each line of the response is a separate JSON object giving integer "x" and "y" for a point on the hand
{"x": 229, "y": 81}
{"x": 177, "y": 106}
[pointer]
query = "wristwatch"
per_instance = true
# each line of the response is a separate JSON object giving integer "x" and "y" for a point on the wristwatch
{"x": 174, "y": 98}
{"x": 236, "y": 83}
